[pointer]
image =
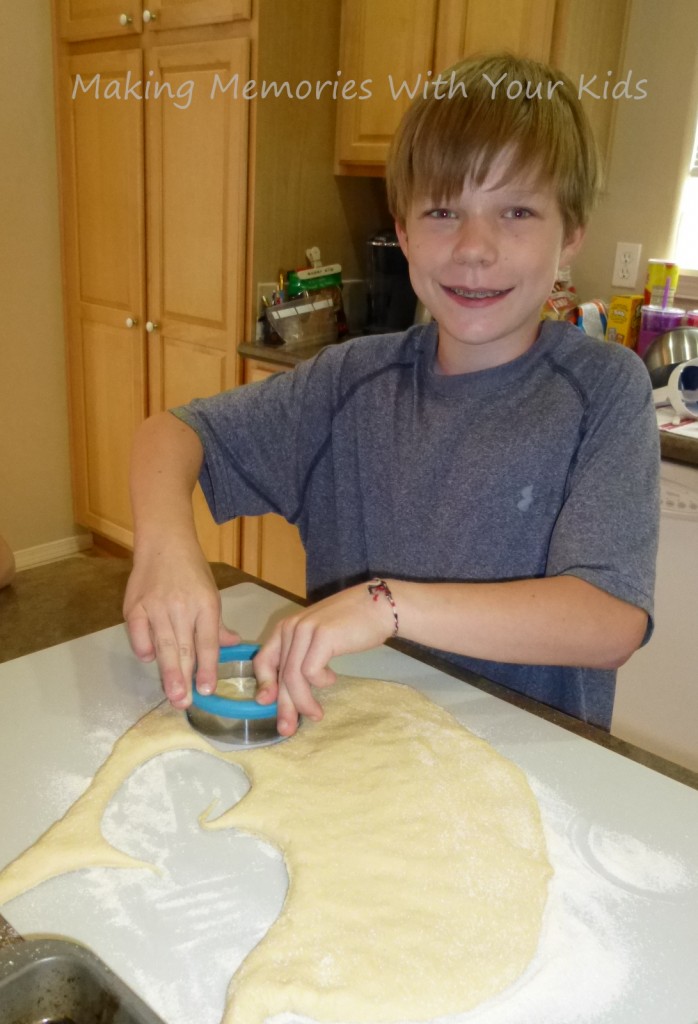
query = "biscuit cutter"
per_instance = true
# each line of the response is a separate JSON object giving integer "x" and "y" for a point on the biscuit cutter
{"x": 235, "y": 721}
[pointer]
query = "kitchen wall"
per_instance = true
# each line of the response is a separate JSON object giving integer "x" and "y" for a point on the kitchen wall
{"x": 652, "y": 144}
{"x": 35, "y": 495}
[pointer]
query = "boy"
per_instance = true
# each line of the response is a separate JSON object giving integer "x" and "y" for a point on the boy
{"x": 485, "y": 486}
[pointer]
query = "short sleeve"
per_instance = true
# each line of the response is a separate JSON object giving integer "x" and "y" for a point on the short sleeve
{"x": 607, "y": 529}
{"x": 260, "y": 440}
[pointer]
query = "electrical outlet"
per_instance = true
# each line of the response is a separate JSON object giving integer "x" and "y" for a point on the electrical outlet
{"x": 626, "y": 265}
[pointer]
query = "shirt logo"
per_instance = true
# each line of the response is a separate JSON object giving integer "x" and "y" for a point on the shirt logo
{"x": 526, "y": 499}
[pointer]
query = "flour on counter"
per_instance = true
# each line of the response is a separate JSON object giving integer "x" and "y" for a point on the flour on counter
{"x": 217, "y": 892}
{"x": 633, "y": 863}
{"x": 66, "y": 787}
{"x": 580, "y": 940}
{"x": 447, "y": 944}
{"x": 177, "y": 935}
{"x": 581, "y": 936}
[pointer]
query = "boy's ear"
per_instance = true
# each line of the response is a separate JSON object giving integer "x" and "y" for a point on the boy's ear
{"x": 572, "y": 245}
{"x": 402, "y": 237}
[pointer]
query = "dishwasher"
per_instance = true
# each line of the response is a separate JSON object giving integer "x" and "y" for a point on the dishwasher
{"x": 656, "y": 705}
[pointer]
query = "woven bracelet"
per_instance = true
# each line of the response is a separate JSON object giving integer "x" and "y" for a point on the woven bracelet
{"x": 378, "y": 586}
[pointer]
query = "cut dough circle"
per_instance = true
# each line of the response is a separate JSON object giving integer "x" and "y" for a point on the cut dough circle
{"x": 415, "y": 852}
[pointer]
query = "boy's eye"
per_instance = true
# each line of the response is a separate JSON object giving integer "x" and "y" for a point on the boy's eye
{"x": 440, "y": 213}
{"x": 519, "y": 213}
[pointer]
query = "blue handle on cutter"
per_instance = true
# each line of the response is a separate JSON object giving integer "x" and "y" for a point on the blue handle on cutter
{"x": 223, "y": 706}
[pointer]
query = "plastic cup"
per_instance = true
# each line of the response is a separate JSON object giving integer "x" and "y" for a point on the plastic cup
{"x": 656, "y": 320}
{"x": 661, "y": 283}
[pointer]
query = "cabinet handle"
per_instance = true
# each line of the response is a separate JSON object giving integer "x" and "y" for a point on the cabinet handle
{"x": 131, "y": 321}
{"x": 125, "y": 19}
{"x": 150, "y": 326}
{"x": 149, "y": 16}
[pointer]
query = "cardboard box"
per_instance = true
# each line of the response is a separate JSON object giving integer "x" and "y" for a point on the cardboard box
{"x": 624, "y": 319}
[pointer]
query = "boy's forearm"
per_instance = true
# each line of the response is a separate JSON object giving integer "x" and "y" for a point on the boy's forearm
{"x": 560, "y": 620}
{"x": 166, "y": 460}
{"x": 171, "y": 606}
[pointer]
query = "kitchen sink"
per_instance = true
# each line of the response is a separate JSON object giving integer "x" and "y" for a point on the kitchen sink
{"x": 54, "y": 981}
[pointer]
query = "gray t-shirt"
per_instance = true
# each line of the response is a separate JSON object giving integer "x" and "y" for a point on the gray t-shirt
{"x": 545, "y": 466}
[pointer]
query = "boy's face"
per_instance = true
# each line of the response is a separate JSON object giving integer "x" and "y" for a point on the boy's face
{"x": 484, "y": 263}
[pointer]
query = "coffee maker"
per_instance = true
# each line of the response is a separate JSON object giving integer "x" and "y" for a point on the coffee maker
{"x": 391, "y": 302}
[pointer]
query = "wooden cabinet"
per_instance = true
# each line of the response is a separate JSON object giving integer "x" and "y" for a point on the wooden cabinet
{"x": 523, "y": 27}
{"x": 196, "y": 161}
{"x": 154, "y": 227}
{"x": 271, "y": 547}
{"x": 384, "y": 48}
{"x": 604, "y": 27}
{"x": 95, "y": 19}
{"x": 178, "y": 195}
{"x": 391, "y": 53}
{"x": 104, "y": 242}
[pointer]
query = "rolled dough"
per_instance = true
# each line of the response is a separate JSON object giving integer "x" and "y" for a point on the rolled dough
{"x": 415, "y": 852}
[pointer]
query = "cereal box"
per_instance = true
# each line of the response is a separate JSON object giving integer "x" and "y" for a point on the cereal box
{"x": 624, "y": 319}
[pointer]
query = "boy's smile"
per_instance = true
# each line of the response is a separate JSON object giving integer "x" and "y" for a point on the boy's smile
{"x": 484, "y": 263}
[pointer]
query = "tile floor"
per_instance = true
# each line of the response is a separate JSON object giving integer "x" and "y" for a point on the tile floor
{"x": 49, "y": 604}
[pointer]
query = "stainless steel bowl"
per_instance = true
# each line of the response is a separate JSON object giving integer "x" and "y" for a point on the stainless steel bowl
{"x": 677, "y": 346}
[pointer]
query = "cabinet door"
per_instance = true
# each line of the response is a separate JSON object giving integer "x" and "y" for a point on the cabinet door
{"x": 92, "y": 19}
{"x": 398, "y": 49}
{"x": 197, "y": 197}
{"x": 523, "y": 27}
{"x": 600, "y": 59}
{"x": 102, "y": 172}
{"x": 388, "y": 48}
{"x": 165, "y": 14}
{"x": 271, "y": 547}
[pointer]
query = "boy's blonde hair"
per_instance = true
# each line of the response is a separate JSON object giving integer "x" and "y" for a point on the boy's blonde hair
{"x": 481, "y": 108}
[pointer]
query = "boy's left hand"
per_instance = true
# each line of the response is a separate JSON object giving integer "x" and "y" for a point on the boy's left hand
{"x": 296, "y": 655}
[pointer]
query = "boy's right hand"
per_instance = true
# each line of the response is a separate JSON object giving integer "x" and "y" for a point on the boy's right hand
{"x": 172, "y": 609}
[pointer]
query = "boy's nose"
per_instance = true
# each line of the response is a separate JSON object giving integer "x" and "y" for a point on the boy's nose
{"x": 474, "y": 243}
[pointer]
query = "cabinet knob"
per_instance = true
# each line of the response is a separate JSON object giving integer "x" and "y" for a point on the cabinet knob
{"x": 150, "y": 326}
{"x": 125, "y": 19}
{"x": 131, "y": 321}
{"x": 149, "y": 16}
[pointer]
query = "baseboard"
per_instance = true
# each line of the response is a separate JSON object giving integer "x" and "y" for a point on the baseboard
{"x": 109, "y": 548}
{"x": 53, "y": 551}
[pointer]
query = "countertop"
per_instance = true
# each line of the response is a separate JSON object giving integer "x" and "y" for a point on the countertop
{"x": 278, "y": 354}
{"x": 678, "y": 449}
{"x": 63, "y": 627}
{"x": 623, "y": 913}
